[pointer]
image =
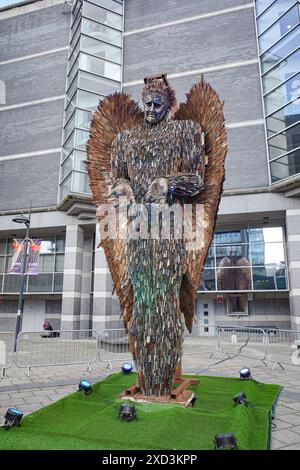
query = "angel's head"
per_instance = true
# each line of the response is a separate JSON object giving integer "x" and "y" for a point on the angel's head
{"x": 158, "y": 98}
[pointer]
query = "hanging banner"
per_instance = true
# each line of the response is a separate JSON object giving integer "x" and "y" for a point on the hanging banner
{"x": 18, "y": 247}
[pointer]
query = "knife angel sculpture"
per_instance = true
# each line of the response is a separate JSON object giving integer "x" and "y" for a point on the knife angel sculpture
{"x": 152, "y": 169}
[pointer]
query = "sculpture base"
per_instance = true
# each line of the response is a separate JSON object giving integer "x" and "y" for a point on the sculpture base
{"x": 179, "y": 395}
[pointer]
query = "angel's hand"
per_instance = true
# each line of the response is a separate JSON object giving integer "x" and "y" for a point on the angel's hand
{"x": 121, "y": 193}
{"x": 157, "y": 191}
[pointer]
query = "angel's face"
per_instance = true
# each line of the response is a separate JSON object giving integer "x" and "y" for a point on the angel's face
{"x": 155, "y": 107}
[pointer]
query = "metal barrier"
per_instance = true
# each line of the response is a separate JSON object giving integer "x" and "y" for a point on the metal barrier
{"x": 202, "y": 340}
{"x": 6, "y": 351}
{"x": 243, "y": 341}
{"x": 283, "y": 347}
{"x": 56, "y": 348}
{"x": 113, "y": 346}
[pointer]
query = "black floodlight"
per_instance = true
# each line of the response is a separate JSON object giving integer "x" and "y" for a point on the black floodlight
{"x": 225, "y": 441}
{"x": 193, "y": 400}
{"x": 127, "y": 412}
{"x": 12, "y": 418}
{"x": 240, "y": 399}
{"x": 127, "y": 368}
{"x": 85, "y": 386}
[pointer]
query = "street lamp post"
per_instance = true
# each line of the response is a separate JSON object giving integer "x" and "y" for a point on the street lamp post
{"x": 21, "y": 219}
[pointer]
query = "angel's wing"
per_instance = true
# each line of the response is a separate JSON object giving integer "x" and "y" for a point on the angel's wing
{"x": 204, "y": 106}
{"x": 114, "y": 114}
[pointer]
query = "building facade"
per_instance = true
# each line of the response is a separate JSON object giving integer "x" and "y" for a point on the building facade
{"x": 59, "y": 58}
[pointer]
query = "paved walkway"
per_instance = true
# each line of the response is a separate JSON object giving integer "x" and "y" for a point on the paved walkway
{"x": 46, "y": 385}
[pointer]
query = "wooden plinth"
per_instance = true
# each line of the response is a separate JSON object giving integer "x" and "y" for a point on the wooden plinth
{"x": 180, "y": 395}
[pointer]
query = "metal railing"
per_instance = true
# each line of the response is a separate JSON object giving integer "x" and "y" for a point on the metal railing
{"x": 6, "y": 351}
{"x": 283, "y": 347}
{"x": 56, "y": 348}
{"x": 243, "y": 341}
{"x": 113, "y": 346}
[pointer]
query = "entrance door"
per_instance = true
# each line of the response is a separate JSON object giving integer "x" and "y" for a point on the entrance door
{"x": 205, "y": 315}
{"x": 33, "y": 315}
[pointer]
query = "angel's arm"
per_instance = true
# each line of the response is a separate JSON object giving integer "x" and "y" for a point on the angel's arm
{"x": 119, "y": 174}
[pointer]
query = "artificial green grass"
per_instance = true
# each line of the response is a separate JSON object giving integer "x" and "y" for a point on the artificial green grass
{"x": 86, "y": 422}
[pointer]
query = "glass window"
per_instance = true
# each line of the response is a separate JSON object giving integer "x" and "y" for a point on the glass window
{"x": 70, "y": 108}
{"x": 282, "y": 72}
{"x": 101, "y": 49}
{"x": 266, "y": 234}
{"x": 285, "y": 166}
{"x": 279, "y": 29}
{"x": 237, "y": 304}
{"x": 66, "y": 186}
{"x": 12, "y": 283}
{"x": 2, "y": 264}
{"x": 208, "y": 281}
{"x": 280, "y": 50}
{"x": 289, "y": 91}
{"x": 46, "y": 264}
{"x": 234, "y": 278}
{"x": 99, "y": 31}
{"x": 99, "y": 67}
{"x": 83, "y": 119}
{"x": 40, "y": 283}
{"x": 80, "y": 160}
{"x": 88, "y": 100}
{"x": 72, "y": 72}
{"x": 48, "y": 246}
{"x": 74, "y": 54}
{"x": 235, "y": 236}
{"x": 283, "y": 118}
{"x": 68, "y": 129}
{"x": 58, "y": 282}
{"x": 261, "y": 5}
{"x": 81, "y": 183}
{"x": 267, "y": 254}
{"x": 59, "y": 262}
{"x": 110, "y": 4}
{"x": 60, "y": 243}
{"x": 272, "y": 14}
{"x": 74, "y": 25}
{"x": 264, "y": 278}
{"x": 80, "y": 139}
{"x": 8, "y": 261}
{"x": 99, "y": 85}
{"x": 69, "y": 144}
{"x": 103, "y": 16}
{"x": 2, "y": 247}
{"x": 66, "y": 167}
{"x": 230, "y": 255}
{"x": 284, "y": 142}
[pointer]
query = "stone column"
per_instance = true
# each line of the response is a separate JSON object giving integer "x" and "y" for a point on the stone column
{"x": 71, "y": 299}
{"x": 106, "y": 308}
{"x": 293, "y": 249}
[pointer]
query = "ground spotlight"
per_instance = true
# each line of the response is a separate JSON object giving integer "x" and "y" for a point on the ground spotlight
{"x": 85, "y": 386}
{"x": 225, "y": 441}
{"x": 127, "y": 412}
{"x": 12, "y": 418}
{"x": 245, "y": 374}
{"x": 126, "y": 367}
{"x": 240, "y": 399}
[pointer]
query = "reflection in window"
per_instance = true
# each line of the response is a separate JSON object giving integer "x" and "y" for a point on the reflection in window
{"x": 278, "y": 52}
{"x": 102, "y": 32}
{"x": 103, "y": 16}
{"x": 272, "y": 14}
{"x": 262, "y": 5}
{"x": 284, "y": 142}
{"x": 237, "y": 304}
{"x": 258, "y": 263}
{"x": 279, "y": 29}
{"x": 285, "y": 166}
{"x": 279, "y": 44}
{"x": 282, "y": 72}
{"x": 98, "y": 85}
